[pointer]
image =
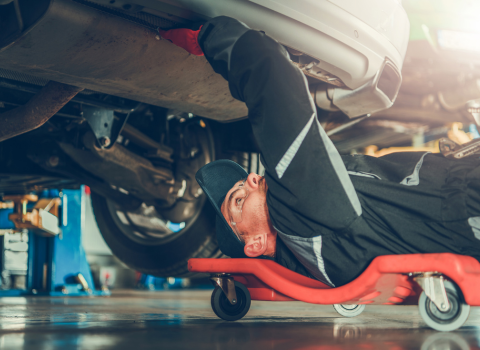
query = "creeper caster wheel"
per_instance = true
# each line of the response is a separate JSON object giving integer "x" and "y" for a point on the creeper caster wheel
{"x": 349, "y": 310}
{"x": 449, "y": 320}
{"x": 228, "y": 311}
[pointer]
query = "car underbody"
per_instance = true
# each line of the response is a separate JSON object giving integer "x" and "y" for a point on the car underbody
{"x": 134, "y": 117}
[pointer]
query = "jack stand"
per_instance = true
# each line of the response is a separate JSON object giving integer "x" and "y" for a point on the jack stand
{"x": 57, "y": 264}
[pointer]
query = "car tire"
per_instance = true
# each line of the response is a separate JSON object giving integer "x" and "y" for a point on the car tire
{"x": 163, "y": 258}
{"x": 168, "y": 257}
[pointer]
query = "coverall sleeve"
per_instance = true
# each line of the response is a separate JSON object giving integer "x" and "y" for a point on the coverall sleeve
{"x": 309, "y": 189}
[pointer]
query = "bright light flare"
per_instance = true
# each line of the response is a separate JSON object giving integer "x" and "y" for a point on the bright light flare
{"x": 456, "y": 40}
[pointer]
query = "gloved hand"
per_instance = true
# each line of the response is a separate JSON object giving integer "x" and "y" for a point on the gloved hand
{"x": 185, "y": 38}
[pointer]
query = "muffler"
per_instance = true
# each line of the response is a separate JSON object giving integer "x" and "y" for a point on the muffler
{"x": 376, "y": 95}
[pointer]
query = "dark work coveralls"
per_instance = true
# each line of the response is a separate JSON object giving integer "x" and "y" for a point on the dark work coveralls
{"x": 334, "y": 214}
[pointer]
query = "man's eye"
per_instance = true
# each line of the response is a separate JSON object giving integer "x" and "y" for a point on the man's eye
{"x": 239, "y": 201}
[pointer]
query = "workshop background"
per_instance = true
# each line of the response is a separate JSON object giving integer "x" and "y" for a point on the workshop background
{"x": 103, "y": 125}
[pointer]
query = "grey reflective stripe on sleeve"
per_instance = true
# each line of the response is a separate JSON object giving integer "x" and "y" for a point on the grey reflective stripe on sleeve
{"x": 414, "y": 178}
{"x": 340, "y": 169}
{"x": 363, "y": 174}
{"x": 293, "y": 149}
{"x": 474, "y": 222}
{"x": 332, "y": 152}
{"x": 308, "y": 251}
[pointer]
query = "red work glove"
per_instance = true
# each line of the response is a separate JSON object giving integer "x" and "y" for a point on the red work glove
{"x": 185, "y": 38}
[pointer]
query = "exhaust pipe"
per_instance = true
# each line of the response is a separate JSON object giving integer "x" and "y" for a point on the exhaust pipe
{"x": 374, "y": 96}
{"x": 37, "y": 111}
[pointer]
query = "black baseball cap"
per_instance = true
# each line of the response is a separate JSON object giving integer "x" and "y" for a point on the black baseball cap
{"x": 216, "y": 179}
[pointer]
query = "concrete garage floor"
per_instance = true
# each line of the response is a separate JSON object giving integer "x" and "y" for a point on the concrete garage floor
{"x": 184, "y": 320}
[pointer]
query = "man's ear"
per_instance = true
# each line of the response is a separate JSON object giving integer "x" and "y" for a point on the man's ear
{"x": 256, "y": 245}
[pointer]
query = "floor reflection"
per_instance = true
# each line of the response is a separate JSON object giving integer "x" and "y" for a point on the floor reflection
{"x": 237, "y": 336}
{"x": 445, "y": 341}
{"x": 338, "y": 337}
{"x": 185, "y": 321}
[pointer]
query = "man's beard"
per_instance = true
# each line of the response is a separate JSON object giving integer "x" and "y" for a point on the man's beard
{"x": 261, "y": 209}
{"x": 262, "y": 185}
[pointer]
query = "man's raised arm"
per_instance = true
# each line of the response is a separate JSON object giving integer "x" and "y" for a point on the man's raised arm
{"x": 307, "y": 180}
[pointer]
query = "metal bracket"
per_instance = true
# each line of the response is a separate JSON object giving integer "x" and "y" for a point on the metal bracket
{"x": 105, "y": 125}
{"x": 433, "y": 285}
{"x": 227, "y": 285}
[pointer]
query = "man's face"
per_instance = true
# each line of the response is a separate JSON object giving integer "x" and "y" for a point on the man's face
{"x": 253, "y": 207}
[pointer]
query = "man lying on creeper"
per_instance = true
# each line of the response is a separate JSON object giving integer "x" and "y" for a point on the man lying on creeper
{"x": 315, "y": 212}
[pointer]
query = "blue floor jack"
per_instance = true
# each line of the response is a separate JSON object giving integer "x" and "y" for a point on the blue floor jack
{"x": 42, "y": 246}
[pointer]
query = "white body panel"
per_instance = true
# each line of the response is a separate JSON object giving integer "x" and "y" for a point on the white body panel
{"x": 350, "y": 38}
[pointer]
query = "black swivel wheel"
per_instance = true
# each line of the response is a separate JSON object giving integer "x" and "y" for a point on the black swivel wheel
{"x": 226, "y": 311}
{"x": 447, "y": 321}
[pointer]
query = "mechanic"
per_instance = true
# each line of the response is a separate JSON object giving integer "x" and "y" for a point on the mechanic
{"x": 315, "y": 212}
